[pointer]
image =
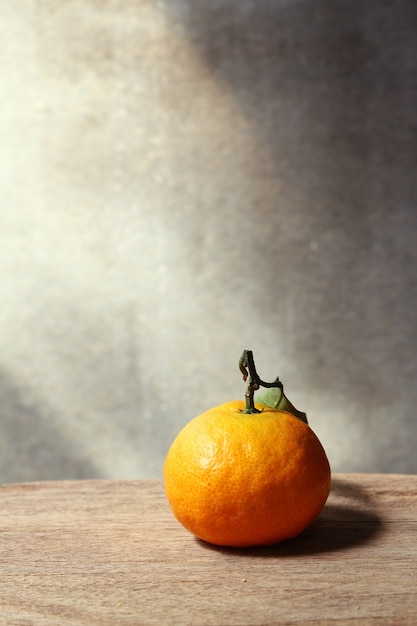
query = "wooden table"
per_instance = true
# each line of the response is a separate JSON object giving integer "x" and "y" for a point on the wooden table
{"x": 109, "y": 552}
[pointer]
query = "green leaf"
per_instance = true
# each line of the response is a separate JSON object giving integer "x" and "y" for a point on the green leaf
{"x": 275, "y": 398}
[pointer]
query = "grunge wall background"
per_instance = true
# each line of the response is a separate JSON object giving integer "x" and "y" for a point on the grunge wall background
{"x": 181, "y": 180}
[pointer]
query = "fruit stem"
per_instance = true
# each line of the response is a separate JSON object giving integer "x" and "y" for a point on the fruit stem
{"x": 253, "y": 381}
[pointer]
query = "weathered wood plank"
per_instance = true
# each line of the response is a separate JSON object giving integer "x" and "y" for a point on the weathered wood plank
{"x": 109, "y": 552}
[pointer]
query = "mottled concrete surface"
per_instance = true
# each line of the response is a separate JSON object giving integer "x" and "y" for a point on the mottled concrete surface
{"x": 181, "y": 180}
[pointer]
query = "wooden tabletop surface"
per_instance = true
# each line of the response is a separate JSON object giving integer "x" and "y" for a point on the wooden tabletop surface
{"x": 110, "y": 552}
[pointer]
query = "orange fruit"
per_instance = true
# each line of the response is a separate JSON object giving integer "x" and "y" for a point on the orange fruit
{"x": 236, "y": 479}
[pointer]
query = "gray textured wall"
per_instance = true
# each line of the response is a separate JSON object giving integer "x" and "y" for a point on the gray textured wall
{"x": 183, "y": 179}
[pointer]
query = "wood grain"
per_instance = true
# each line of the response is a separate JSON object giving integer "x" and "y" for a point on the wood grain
{"x": 108, "y": 552}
